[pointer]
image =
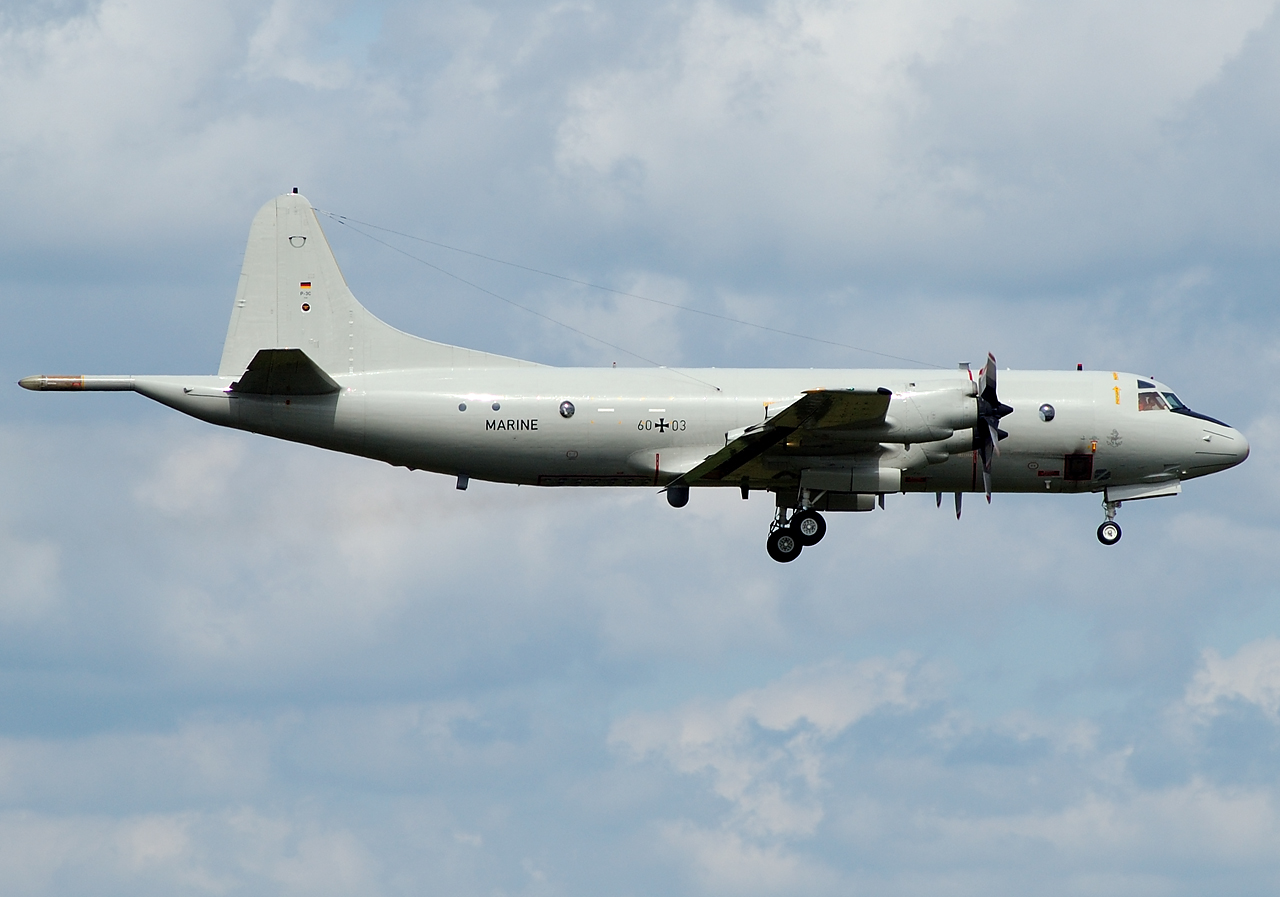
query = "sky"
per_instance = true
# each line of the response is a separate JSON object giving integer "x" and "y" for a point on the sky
{"x": 233, "y": 666}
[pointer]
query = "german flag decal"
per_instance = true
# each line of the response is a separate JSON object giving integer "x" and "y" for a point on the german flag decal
{"x": 305, "y": 285}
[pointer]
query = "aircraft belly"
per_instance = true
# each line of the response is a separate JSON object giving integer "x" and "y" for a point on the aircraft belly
{"x": 332, "y": 421}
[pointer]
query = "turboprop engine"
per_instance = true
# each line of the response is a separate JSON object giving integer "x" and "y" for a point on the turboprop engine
{"x": 931, "y": 415}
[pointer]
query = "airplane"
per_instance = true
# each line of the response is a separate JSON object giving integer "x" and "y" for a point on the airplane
{"x": 304, "y": 361}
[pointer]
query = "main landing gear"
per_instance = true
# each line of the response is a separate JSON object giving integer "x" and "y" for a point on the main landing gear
{"x": 1109, "y": 531}
{"x": 788, "y": 536}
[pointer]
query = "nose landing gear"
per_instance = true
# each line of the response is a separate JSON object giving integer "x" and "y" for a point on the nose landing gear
{"x": 1109, "y": 532}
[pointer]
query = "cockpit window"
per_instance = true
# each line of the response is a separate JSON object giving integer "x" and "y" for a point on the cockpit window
{"x": 1151, "y": 401}
{"x": 1157, "y": 400}
{"x": 1143, "y": 384}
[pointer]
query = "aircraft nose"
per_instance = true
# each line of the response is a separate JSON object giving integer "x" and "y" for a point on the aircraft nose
{"x": 1240, "y": 444}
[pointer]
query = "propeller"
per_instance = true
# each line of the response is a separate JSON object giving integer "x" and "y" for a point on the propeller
{"x": 987, "y": 433}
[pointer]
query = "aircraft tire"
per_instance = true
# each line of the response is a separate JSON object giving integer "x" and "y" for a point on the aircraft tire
{"x": 783, "y": 545}
{"x": 1109, "y": 533}
{"x": 809, "y": 527}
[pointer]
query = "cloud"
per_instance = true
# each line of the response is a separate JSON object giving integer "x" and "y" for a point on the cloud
{"x": 774, "y": 786}
{"x": 29, "y": 587}
{"x": 838, "y": 776}
{"x": 238, "y": 666}
{"x": 193, "y": 853}
{"x": 1251, "y": 676}
{"x": 918, "y": 143}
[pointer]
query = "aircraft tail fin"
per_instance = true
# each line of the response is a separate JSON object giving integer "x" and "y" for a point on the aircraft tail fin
{"x": 293, "y": 295}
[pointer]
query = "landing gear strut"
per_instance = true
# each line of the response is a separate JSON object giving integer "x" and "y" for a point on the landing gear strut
{"x": 1109, "y": 531}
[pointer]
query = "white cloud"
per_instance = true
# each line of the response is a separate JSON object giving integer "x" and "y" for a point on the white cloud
{"x": 282, "y": 47}
{"x": 1131, "y": 832}
{"x": 234, "y": 851}
{"x": 774, "y": 784}
{"x": 1251, "y": 675}
{"x": 193, "y": 478}
{"x": 726, "y": 863}
{"x": 878, "y": 132}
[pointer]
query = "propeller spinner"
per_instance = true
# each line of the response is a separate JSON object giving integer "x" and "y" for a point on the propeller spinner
{"x": 987, "y": 433}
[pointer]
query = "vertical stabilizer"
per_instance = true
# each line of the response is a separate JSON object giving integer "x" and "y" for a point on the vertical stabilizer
{"x": 292, "y": 296}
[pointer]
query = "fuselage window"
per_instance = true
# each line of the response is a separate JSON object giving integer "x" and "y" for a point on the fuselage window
{"x": 1151, "y": 401}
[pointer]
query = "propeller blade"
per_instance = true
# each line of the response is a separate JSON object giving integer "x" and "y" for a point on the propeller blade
{"x": 939, "y": 499}
{"x": 987, "y": 379}
{"x": 959, "y": 496}
{"x": 990, "y": 409}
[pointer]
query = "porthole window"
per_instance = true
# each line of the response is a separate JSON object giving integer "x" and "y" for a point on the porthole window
{"x": 496, "y": 406}
{"x": 566, "y": 410}
{"x": 1046, "y": 412}
{"x": 462, "y": 406}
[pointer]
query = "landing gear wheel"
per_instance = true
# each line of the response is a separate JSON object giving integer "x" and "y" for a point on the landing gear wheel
{"x": 1109, "y": 533}
{"x": 784, "y": 545}
{"x": 809, "y": 527}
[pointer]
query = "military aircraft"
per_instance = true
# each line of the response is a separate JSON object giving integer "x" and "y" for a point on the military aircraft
{"x": 304, "y": 361}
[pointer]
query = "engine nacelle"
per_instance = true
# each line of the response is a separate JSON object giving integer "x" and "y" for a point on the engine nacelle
{"x": 930, "y": 416}
{"x": 947, "y": 409}
{"x": 958, "y": 443}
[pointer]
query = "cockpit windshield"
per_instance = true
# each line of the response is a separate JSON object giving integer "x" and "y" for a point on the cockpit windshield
{"x": 1151, "y": 401}
{"x": 1152, "y": 398}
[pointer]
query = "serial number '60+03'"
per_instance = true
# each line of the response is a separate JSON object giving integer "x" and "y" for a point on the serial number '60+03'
{"x": 662, "y": 425}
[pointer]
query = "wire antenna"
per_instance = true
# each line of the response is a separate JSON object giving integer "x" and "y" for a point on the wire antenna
{"x": 343, "y": 219}
{"x": 348, "y": 224}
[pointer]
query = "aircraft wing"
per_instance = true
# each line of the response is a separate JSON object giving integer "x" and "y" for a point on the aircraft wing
{"x": 817, "y": 410}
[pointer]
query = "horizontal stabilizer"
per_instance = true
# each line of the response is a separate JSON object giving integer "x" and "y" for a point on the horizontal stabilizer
{"x": 284, "y": 372}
